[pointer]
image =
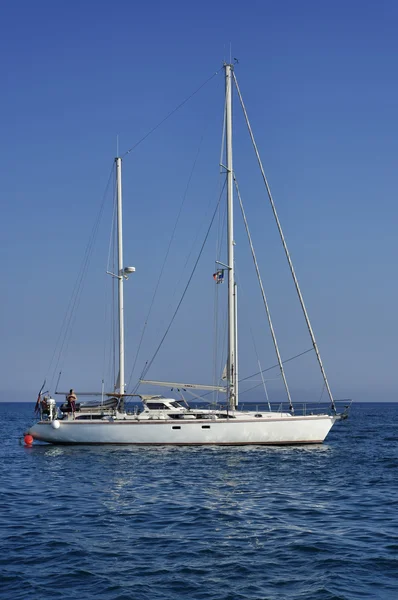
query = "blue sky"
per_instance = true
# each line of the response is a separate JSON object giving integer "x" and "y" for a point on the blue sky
{"x": 319, "y": 81}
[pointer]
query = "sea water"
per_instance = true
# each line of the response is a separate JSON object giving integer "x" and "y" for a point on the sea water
{"x": 211, "y": 523}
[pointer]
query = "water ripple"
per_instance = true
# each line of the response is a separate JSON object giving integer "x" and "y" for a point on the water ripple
{"x": 125, "y": 523}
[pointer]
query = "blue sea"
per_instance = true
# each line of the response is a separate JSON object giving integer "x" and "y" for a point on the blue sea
{"x": 213, "y": 523}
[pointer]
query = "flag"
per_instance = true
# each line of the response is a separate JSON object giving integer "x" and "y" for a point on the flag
{"x": 218, "y": 276}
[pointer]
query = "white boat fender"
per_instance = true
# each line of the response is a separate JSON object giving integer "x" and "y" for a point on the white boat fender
{"x": 55, "y": 424}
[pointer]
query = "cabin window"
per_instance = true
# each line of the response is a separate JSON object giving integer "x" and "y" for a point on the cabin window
{"x": 176, "y": 427}
{"x": 88, "y": 417}
{"x": 205, "y": 426}
{"x": 156, "y": 406}
{"x": 176, "y": 404}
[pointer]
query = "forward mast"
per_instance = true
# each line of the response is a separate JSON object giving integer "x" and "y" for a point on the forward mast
{"x": 122, "y": 274}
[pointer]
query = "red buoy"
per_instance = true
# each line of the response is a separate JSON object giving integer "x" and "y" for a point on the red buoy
{"x": 28, "y": 439}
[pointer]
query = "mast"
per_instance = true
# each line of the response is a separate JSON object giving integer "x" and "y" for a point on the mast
{"x": 120, "y": 273}
{"x": 231, "y": 366}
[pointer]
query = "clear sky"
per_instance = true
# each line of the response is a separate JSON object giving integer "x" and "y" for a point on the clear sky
{"x": 320, "y": 83}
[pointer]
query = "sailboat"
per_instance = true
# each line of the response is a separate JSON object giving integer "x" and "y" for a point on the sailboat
{"x": 168, "y": 421}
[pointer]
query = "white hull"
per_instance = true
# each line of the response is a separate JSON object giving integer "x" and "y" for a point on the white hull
{"x": 275, "y": 429}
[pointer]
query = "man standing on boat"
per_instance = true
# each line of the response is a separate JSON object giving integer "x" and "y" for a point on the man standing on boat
{"x": 71, "y": 400}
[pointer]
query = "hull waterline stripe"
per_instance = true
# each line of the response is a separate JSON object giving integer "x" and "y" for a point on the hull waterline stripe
{"x": 295, "y": 443}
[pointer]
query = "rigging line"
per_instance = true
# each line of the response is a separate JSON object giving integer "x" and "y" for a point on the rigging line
{"x": 69, "y": 311}
{"x": 323, "y": 389}
{"x": 114, "y": 292}
{"x": 191, "y": 394}
{"x": 170, "y": 114}
{"x": 112, "y": 232}
{"x": 253, "y": 388}
{"x": 220, "y": 336}
{"x": 268, "y": 369}
{"x": 218, "y": 253}
{"x": 105, "y": 336}
{"x": 186, "y": 287}
{"x": 74, "y": 300}
{"x": 193, "y": 245}
{"x": 267, "y": 310}
{"x": 77, "y": 280}
{"x": 255, "y": 350}
{"x": 107, "y": 361}
{"x": 78, "y": 296}
{"x": 289, "y": 260}
{"x": 224, "y": 125}
{"x": 220, "y": 228}
{"x": 265, "y": 387}
{"x": 223, "y": 342}
{"x": 166, "y": 257}
{"x": 276, "y": 365}
{"x": 223, "y": 336}
{"x": 182, "y": 270}
{"x": 215, "y": 338}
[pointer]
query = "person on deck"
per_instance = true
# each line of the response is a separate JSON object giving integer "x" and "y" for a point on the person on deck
{"x": 71, "y": 400}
